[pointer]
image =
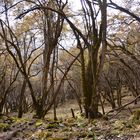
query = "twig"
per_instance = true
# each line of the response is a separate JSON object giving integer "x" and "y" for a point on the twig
{"x": 122, "y": 107}
{"x": 72, "y": 111}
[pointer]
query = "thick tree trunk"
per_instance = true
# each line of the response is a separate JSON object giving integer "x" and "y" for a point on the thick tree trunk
{"x": 2, "y": 105}
{"x": 3, "y": 101}
{"x": 87, "y": 90}
{"x": 91, "y": 98}
{"x": 39, "y": 112}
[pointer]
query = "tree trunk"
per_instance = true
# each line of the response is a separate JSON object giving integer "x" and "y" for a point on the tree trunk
{"x": 20, "y": 111}
{"x": 91, "y": 96}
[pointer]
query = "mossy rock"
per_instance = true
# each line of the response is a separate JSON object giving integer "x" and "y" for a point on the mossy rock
{"x": 15, "y": 119}
{"x": 94, "y": 122}
{"x": 4, "y": 126}
{"x": 38, "y": 123}
{"x": 70, "y": 120}
{"x": 44, "y": 135}
{"x": 82, "y": 135}
{"x": 136, "y": 116}
{"x": 65, "y": 129}
{"x": 119, "y": 125}
{"x": 92, "y": 135}
{"x": 52, "y": 125}
{"x": 4, "y": 117}
{"x": 129, "y": 125}
{"x": 41, "y": 135}
{"x": 19, "y": 120}
{"x": 115, "y": 132}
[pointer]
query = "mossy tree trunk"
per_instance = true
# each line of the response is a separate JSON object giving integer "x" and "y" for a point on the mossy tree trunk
{"x": 92, "y": 97}
{"x": 20, "y": 110}
{"x": 96, "y": 37}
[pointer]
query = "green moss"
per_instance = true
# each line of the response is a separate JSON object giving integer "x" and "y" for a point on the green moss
{"x": 41, "y": 135}
{"x": 115, "y": 132}
{"x": 92, "y": 135}
{"x": 52, "y": 125}
{"x": 4, "y": 126}
{"x": 44, "y": 135}
{"x": 19, "y": 120}
{"x": 136, "y": 116}
{"x": 119, "y": 125}
{"x": 38, "y": 123}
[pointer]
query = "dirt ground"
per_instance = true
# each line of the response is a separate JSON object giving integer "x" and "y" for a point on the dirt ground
{"x": 123, "y": 126}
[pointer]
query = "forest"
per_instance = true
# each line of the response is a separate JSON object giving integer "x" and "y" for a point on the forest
{"x": 69, "y": 70}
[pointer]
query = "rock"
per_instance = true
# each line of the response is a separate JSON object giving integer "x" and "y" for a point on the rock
{"x": 8, "y": 135}
{"x": 31, "y": 123}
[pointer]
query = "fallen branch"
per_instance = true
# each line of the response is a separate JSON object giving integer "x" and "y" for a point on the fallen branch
{"x": 122, "y": 107}
{"x": 72, "y": 112}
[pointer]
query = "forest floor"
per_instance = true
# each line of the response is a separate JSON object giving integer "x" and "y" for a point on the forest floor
{"x": 123, "y": 126}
